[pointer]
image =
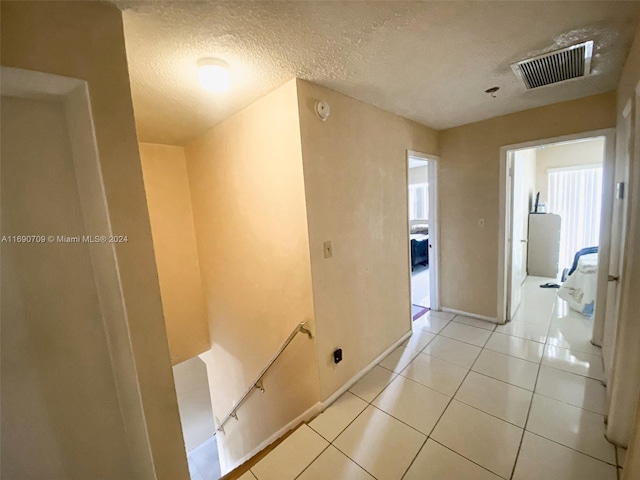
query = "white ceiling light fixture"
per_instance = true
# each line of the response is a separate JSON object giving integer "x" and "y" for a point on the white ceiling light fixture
{"x": 214, "y": 74}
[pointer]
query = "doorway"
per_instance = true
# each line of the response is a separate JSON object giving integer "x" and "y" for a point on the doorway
{"x": 552, "y": 218}
{"x": 196, "y": 416}
{"x": 422, "y": 176}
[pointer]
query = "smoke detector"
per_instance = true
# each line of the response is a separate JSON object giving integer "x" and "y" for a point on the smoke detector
{"x": 555, "y": 67}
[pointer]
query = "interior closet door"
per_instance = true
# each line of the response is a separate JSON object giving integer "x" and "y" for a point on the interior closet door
{"x": 518, "y": 234}
{"x": 618, "y": 233}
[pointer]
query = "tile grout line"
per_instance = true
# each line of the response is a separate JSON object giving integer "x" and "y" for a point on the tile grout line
{"x": 535, "y": 384}
{"x": 421, "y": 351}
{"x": 443, "y": 412}
{"x": 380, "y": 393}
{"x": 468, "y": 459}
{"x": 546, "y": 344}
{"x": 469, "y": 369}
{"x": 370, "y": 404}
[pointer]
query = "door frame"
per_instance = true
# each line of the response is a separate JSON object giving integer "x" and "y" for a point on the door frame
{"x": 625, "y": 381}
{"x": 434, "y": 231}
{"x": 618, "y": 245}
{"x": 73, "y": 94}
{"x": 605, "y": 218}
{"x": 509, "y": 226}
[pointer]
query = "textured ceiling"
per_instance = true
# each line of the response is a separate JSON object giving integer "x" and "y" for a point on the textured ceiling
{"x": 427, "y": 61}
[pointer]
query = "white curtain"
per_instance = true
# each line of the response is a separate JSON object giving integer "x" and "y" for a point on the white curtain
{"x": 419, "y": 201}
{"x": 575, "y": 194}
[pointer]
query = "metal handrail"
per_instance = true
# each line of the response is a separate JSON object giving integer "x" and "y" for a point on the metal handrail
{"x": 258, "y": 381}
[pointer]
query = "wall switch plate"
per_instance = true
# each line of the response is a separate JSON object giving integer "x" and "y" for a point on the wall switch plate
{"x": 328, "y": 249}
{"x": 337, "y": 355}
{"x": 481, "y": 222}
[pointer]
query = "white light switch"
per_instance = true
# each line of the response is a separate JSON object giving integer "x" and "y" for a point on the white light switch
{"x": 328, "y": 249}
{"x": 481, "y": 222}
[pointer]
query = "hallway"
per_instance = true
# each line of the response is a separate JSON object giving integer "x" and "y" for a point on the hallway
{"x": 464, "y": 399}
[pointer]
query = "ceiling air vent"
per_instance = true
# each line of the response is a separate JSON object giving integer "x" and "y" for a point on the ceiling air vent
{"x": 559, "y": 66}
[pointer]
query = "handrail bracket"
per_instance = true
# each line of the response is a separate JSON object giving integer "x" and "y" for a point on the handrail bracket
{"x": 302, "y": 329}
{"x": 259, "y": 384}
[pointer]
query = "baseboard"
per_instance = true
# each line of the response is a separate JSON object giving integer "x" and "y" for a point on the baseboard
{"x": 304, "y": 417}
{"x": 468, "y": 314}
{"x": 318, "y": 407}
{"x": 352, "y": 381}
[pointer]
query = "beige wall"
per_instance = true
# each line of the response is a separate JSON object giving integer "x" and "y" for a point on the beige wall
{"x": 174, "y": 241}
{"x": 249, "y": 209}
{"x": 356, "y": 187}
{"x": 91, "y": 47}
{"x": 585, "y": 152}
{"x": 194, "y": 400}
{"x": 469, "y": 190}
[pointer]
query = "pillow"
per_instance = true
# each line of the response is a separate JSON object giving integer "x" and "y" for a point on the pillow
{"x": 420, "y": 228}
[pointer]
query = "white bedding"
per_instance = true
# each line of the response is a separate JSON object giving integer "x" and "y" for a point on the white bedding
{"x": 580, "y": 288}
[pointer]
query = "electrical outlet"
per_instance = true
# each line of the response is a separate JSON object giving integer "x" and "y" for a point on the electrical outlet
{"x": 328, "y": 249}
{"x": 481, "y": 222}
{"x": 337, "y": 355}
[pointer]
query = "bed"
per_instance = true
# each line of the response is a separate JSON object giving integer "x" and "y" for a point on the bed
{"x": 579, "y": 290}
{"x": 419, "y": 235}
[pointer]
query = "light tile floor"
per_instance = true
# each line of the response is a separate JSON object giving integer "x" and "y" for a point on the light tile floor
{"x": 463, "y": 399}
{"x": 420, "y": 285}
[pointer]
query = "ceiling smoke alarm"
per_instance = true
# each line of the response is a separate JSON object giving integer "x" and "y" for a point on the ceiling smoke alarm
{"x": 323, "y": 110}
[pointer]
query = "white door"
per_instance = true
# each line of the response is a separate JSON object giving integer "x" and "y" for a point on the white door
{"x": 618, "y": 230}
{"x": 433, "y": 235}
{"x": 519, "y": 209}
{"x": 63, "y": 318}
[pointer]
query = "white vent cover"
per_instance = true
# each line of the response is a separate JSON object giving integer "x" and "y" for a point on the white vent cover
{"x": 559, "y": 66}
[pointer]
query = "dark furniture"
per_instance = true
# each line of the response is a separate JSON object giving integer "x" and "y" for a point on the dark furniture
{"x": 419, "y": 250}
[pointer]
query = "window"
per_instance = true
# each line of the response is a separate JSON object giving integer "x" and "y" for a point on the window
{"x": 419, "y": 201}
{"x": 575, "y": 194}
